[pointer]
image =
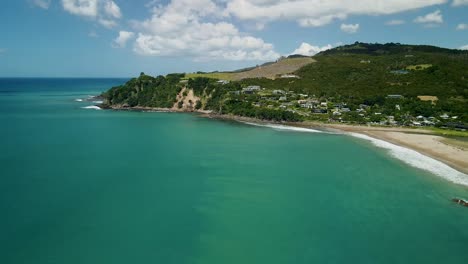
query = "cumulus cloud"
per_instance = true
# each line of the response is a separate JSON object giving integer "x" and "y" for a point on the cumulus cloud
{"x": 45, "y": 4}
{"x": 193, "y": 28}
{"x": 431, "y": 18}
{"x": 313, "y": 13}
{"x": 395, "y": 22}
{"x": 81, "y": 7}
{"x": 122, "y": 39}
{"x": 459, "y": 2}
{"x": 105, "y": 12}
{"x": 309, "y": 50}
{"x": 464, "y": 47}
{"x": 112, "y": 9}
{"x": 349, "y": 28}
{"x": 462, "y": 26}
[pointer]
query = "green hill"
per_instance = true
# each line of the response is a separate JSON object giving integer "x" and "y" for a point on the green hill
{"x": 351, "y": 83}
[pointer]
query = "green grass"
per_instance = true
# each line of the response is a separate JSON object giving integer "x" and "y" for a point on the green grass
{"x": 447, "y": 132}
{"x": 215, "y": 75}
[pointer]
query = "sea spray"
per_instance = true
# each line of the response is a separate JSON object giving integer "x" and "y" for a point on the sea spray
{"x": 418, "y": 160}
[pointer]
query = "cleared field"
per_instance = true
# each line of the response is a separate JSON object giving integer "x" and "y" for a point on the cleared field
{"x": 270, "y": 71}
{"x": 215, "y": 75}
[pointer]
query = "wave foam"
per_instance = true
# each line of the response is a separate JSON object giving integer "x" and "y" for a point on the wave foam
{"x": 418, "y": 160}
{"x": 98, "y": 102}
{"x": 92, "y": 107}
{"x": 78, "y": 100}
{"x": 282, "y": 127}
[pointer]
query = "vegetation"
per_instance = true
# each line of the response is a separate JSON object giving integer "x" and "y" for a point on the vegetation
{"x": 359, "y": 83}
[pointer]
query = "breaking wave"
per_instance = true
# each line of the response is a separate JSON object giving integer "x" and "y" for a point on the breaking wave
{"x": 418, "y": 160}
{"x": 282, "y": 127}
{"x": 92, "y": 107}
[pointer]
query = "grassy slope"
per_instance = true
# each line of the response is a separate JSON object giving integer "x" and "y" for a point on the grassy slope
{"x": 269, "y": 71}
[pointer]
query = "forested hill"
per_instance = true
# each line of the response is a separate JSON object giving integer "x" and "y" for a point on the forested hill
{"x": 396, "y": 80}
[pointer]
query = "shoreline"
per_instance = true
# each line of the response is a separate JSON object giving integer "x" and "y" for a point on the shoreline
{"x": 422, "y": 141}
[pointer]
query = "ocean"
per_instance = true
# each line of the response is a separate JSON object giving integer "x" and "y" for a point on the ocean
{"x": 82, "y": 185}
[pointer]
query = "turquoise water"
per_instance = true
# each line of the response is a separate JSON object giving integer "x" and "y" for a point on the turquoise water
{"x": 88, "y": 186}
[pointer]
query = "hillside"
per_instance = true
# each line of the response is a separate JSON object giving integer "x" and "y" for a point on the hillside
{"x": 361, "y": 83}
{"x": 268, "y": 70}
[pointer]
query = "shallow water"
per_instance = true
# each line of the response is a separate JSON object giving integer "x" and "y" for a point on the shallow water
{"x": 88, "y": 186}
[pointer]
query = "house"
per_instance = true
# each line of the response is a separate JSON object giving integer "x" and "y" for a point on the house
{"x": 324, "y": 104}
{"x": 345, "y": 110}
{"x": 222, "y": 82}
{"x": 279, "y": 92}
{"x": 395, "y": 96}
{"x": 397, "y": 107}
{"x": 400, "y": 72}
{"x": 289, "y": 76}
{"x": 320, "y": 111}
{"x": 283, "y": 98}
{"x": 251, "y": 89}
{"x": 444, "y": 116}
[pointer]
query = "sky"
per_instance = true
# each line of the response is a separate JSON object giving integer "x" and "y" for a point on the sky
{"x": 121, "y": 38}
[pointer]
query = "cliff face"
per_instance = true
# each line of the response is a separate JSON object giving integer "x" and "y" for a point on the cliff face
{"x": 187, "y": 101}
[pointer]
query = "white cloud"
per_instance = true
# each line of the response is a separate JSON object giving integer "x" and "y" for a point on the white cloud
{"x": 112, "y": 9}
{"x": 395, "y": 22}
{"x": 108, "y": 23}
{"x": 464, "y": 47}
{"x": 308, "y": 50}
{"x": 192, "y": 28}
{"x": 45, "y": 4}
{"x": 122, "y": 39}
{"x": 349, "y": 28}
{"x": 81, "y": 7}
{"x": 105, "y": 12}
{"x": 459, "y": 2}
{"x": 462, "y": 26}
{"x": 313, "y": 13}
{"x": 431, "y": 18}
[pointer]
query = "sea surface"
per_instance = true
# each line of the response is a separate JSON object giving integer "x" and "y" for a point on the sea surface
{"x": 81, "y": 185}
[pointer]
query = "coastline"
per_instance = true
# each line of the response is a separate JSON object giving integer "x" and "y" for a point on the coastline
{"x": 422, "y": 141}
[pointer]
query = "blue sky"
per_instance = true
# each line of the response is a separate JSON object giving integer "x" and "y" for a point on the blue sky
{"x": 121, "y": 38}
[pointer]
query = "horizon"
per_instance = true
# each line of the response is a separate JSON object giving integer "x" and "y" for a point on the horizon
{"x": 111, "y": 39}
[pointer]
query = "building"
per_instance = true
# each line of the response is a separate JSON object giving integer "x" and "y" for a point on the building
{"x": 279, "y": 92}
{"x": 251, "y": 89}
{"x": 284, "y": 76}
{"x": 395, "y": 96}
{"x": 223, "y": 82}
